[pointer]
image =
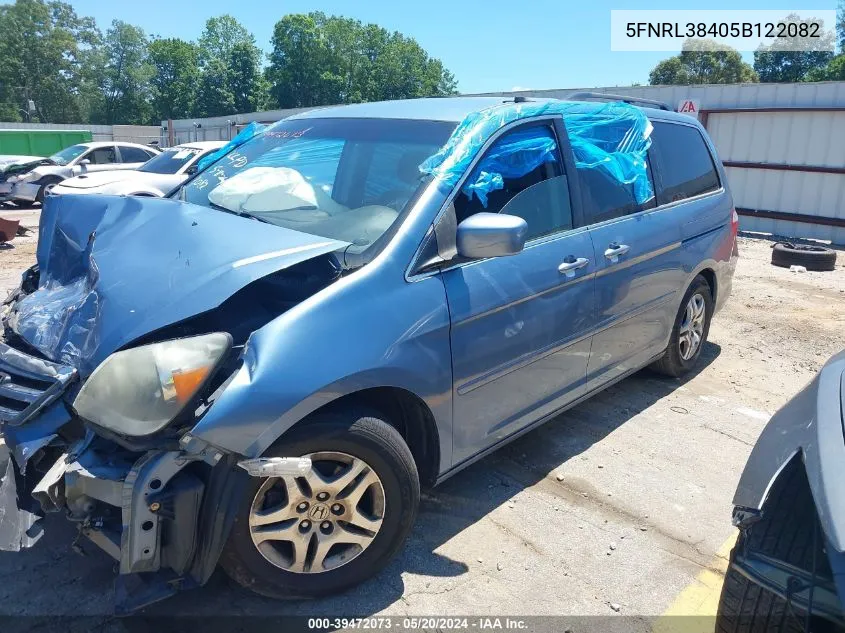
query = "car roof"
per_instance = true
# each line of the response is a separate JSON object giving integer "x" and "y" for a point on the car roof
{"x": 451, "y": 109}
{"x": 96, "y": 144}
{"x": 200, "y": 145}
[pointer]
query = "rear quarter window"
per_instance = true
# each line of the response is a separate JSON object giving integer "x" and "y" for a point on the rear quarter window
{"x": 684, "y": 161}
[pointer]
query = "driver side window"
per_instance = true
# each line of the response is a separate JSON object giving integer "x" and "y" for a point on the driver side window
{"x": 520, "y": 174}
{"x": 101, "y": 156}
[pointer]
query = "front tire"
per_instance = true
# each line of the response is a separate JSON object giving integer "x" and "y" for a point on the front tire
{"x": 305, "y": 537}
{"x": 786, "y": 533}
{"x": 689, "y": 332}
{"x": 45, "y": 189}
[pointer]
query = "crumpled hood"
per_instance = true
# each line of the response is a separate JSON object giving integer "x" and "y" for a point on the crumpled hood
{"x": 23, "y": 165}
{"x": 7, "y": 160}
{"x": 113, "y": 269}
{"x": 100, "y": 178}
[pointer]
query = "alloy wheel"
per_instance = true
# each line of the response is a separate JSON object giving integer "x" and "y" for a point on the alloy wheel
{"x": 692, "y": 327}
{"x": 322, "y": 520}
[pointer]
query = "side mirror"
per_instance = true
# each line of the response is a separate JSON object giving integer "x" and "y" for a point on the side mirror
{"x": 491, "y": 235}
{"x": 84, "y": 163}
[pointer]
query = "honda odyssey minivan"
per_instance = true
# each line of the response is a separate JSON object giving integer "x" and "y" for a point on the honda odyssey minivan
{"x": 262, "y": 370}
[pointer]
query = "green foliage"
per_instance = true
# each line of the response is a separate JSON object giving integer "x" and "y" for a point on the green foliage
{"x": 232, "y": 80}
{"x": 806, "y": 55}
{"x": 73, "y": 73}
{"x": 43, "y": 46}
{"x": 319, "y": 60}
{"x": 834, "y": 71}
{"x": 840, "y": 25}
{"x": 703, "y": 62}
{"x": 124, "y": 77}
{"x": 175, "y": 80}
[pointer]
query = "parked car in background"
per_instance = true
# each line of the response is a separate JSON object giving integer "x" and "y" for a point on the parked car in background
{"x": 29, "y": 182}
{"x": 787, "y": 570}
{"x": 263, "y": 369}
{"x": 157, "y": 177}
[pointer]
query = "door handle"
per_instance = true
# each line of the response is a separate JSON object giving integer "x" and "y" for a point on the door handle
{"x": 615, "y": 250}
{"x": 570, "y": 265}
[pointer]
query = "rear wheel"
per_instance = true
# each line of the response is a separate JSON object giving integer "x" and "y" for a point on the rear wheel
{"x": 689, "y": 333}
{"x": 303, "y": 537}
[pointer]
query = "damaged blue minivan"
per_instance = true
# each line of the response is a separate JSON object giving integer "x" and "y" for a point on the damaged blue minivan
{"x": 263, "y": 369}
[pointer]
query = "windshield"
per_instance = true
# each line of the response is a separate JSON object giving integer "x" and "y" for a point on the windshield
{"x": 345, "y": 179}
{"x": 67, "y": 154}
{"x": 170, "y": 161}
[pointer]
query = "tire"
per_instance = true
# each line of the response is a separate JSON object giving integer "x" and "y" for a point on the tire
{"x": 42, "y": 192}
{"x": 784, "y": 532}
{"x": 785, "y": 254}
{"x": 673, "y": 362}
{"x": 357, "y": 434}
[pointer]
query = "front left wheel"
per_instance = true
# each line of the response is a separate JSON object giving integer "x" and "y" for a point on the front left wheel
{"x": 322, "y": 533}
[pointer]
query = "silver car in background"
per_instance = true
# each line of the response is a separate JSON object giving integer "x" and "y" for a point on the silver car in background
{"x": 31, "y": 181}
{"x": 157, "y": 177}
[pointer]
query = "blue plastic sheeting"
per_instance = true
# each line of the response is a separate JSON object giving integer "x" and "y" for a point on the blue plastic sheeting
{"x": 610, "y": 136}
{"x": 514, "y": 156}
{"x": 240, "y": 138}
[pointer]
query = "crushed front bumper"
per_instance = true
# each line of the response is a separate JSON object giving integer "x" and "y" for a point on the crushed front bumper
{"x": 163, "y": 513}
{"x": 22, "y": 191}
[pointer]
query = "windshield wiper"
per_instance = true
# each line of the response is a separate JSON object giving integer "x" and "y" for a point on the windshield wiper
{"x": 243, "y": 214}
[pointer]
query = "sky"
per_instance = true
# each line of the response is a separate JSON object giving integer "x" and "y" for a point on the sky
{"x": 489, "y": 46}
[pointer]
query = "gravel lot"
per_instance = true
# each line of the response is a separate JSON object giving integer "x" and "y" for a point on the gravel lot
{"x": 620, "y": 501}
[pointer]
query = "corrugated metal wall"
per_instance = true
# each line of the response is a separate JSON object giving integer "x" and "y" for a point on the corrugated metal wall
{"x": 799, "y": 138}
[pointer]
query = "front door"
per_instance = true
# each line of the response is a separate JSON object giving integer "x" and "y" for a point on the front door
{"x": 520, "y": 324}
{"x": 99, "y": 159}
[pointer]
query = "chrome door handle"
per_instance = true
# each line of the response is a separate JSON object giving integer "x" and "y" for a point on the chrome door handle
{"x": 572, "y": 265}
{"x": 615, "y": 250}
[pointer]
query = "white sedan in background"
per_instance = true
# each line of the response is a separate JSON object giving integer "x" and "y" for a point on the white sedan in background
{"x": 25, "y": 181}
{"x": 157, "y": 177}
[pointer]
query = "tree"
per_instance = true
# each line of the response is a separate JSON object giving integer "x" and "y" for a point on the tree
{"x": 247, "y": 84}
{"x": 220, "y": 36}
{"x": 795, "y": 58}
{"x": 297, "y": 61}
{"x": 42, "y": 47}
{"x": 840, "y": 25}
{"x": 214, "y": 98}
{"x": 175, "y": 79}
{"x": 834, "y": 71}
{"x": 125, "y": 76}
{"x": 319, "y": 60}
{"x": 232, "y": 80}
{"x": 703, "y": 62}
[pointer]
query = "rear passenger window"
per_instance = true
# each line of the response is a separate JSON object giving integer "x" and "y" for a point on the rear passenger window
{"x": 606, "y": 198}
{"x": 134, "y": 155}
{"x": 685, "y": 163}
{"x": 520, "y": 174}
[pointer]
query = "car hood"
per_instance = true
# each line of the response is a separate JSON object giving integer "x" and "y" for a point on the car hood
{"x": 7, "y": 160}
{"x": 113, "y": 269}
{"x": 100, "y": 178}
{"x": 23, "y": 164}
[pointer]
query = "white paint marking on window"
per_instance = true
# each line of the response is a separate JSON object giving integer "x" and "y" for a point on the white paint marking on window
{"x": 751, "y": 413}
{"x": 288, "y": 251}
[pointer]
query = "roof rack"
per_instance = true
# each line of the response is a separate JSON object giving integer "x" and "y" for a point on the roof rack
{"x": 605, "y": 96}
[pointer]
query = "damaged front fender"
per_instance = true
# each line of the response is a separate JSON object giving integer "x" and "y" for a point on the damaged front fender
{"x": 809, "y": 427}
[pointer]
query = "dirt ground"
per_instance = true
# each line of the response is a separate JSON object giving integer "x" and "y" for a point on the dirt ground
{"x": 610, "y": 509}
